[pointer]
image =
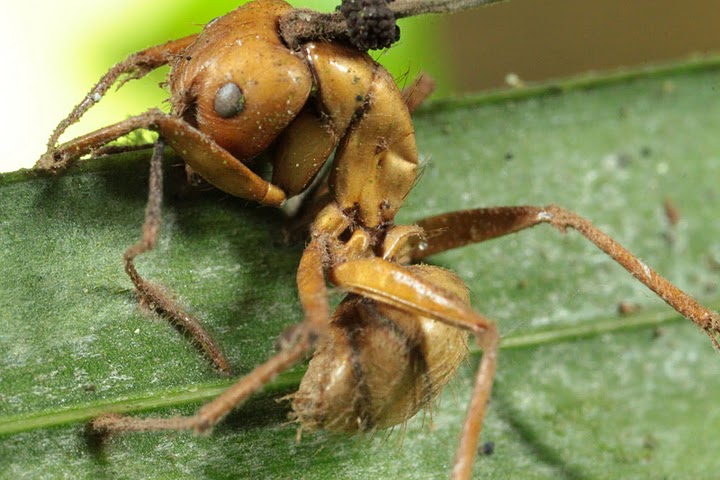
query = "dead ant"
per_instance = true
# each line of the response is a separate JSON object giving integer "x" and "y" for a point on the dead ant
{"x": 240, "y": 88}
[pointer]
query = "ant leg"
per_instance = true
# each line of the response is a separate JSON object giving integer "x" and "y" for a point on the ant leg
{"x": 421, "y": 88}
{"x": 295, "y": 344}
{"x": 135, "y": 66}
{"x": 464, "y": 227}
{"x": 118, "y": 149}
{"x": 460, "y": 228}
{"x": 211, "y": 413}
{"x": 151, "y": 294}
{"x": 412, "y": 289}
{"x": 204, "y": 156}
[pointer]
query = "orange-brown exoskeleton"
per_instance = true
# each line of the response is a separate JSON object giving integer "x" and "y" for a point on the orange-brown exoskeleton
{"x": 238, "y": 90}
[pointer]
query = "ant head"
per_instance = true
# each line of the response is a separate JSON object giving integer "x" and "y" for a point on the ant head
{"x": 238, "y": 82}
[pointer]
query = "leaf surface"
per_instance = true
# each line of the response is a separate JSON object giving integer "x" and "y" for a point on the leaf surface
{"x": 581, "y": 392}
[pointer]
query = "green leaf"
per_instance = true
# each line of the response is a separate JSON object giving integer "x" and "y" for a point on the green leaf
{"x": 581, "y": 392}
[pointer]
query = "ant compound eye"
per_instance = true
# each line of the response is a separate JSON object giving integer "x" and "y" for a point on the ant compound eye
{"x": 229, "y": 100}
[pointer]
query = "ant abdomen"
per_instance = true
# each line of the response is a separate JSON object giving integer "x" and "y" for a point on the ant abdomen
{"x": 379, "y": 365}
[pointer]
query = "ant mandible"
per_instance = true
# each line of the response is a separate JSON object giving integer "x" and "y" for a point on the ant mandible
{"x": 238, "y": 89}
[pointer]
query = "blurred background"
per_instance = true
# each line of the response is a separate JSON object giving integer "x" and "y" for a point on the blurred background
{"x": 55, "y": 51}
